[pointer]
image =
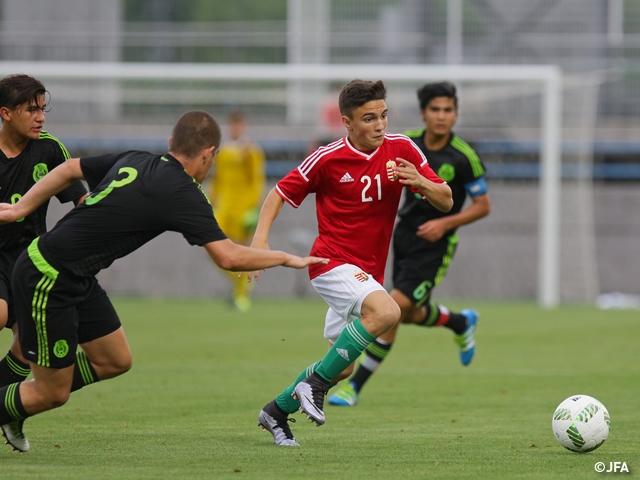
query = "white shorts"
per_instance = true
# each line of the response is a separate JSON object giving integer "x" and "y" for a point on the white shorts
{"x": 344, "y": 288}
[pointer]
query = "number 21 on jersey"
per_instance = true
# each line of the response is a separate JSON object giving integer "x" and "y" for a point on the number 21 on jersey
{"x": 366, "y": 179}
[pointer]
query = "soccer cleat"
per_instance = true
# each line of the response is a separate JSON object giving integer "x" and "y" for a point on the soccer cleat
{"x": 310, "y": 393}
{"x": 466, "y": 341}
{"x": 346, "y": 396}
{"x": 275, "y": 421}
{"x": 15, "y": 437}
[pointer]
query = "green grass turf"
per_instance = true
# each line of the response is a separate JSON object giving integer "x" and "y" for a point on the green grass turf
{"x": 202, "y": 372}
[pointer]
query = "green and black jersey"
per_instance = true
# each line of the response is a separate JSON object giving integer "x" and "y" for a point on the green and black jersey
{"x": 457, "y": 164}
{"x": 135, "y": 196}
{"x": 18, "y": 175}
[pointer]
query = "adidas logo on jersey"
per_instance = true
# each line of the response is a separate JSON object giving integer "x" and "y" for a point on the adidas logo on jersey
{"x": 343, "y": 353}
{"x": 346, "y": 178}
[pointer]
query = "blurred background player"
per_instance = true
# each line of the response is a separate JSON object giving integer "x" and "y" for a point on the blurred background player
{"x": 425, "y": 239}
{"x": 27, "y": 153}
{"x": 236, "y": 189}
{"x": 330, "y": 123}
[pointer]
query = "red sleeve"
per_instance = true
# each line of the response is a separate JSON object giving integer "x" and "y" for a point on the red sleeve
{"x": 298, "y": 183}
{"x": 429, "y": 174}
{"x": 293, "y": 188}
{"x": 421, "y": 162}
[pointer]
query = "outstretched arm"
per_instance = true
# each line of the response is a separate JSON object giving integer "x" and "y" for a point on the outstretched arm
{"x": 238, "y": 258}
{"x": 268, "y": 214}
{"x": 437, "y": 194}
{"x": 54, "y": 182}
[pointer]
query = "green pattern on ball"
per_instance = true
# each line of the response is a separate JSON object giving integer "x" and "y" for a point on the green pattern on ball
{"x": 575, "y": 436}
{"x": 592, "y": 448}
{"x": 562, "y": 414}
{"x": 587, "y": 413}
{"x": 607, "y": 418}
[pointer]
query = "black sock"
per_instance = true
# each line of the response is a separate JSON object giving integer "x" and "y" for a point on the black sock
{"x": 440, "y": 316}
{"x": 12, "y": 370}
{"x": 11, "y": 404}
{"x": 375, "y": 354}
{"x": 83, "y": 373}
{"x": 457, "y": 323}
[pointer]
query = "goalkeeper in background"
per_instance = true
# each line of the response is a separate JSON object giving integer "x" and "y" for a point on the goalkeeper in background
{"x": 236, "y": 189}
{"x": 425, "y": 239}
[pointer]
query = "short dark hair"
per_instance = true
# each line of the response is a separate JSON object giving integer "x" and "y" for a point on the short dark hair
{"x": 236, "y": 116}
{"x": 358, "y": 92}
{"x": 20, "y": 88}
{"x": 428, "y": 92}
{"x": 195, "y": 131}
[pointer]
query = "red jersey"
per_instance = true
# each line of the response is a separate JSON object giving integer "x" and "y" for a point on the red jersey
{"x": 357, "y": 199}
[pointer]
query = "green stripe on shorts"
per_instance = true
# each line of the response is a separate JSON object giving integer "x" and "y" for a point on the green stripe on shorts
{"x": 446, "y": 260}
{"x": 39, "y": 302}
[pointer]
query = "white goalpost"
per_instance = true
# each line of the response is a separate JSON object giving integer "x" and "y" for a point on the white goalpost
{"x": 548, "y": 80}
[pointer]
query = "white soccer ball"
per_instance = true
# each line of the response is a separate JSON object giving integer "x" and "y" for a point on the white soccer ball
{"x": 581, "y": 423}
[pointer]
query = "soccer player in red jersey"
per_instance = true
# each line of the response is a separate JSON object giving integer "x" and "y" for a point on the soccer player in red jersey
{"x": 358, "y": 181}
{"x": 425, "y": 240}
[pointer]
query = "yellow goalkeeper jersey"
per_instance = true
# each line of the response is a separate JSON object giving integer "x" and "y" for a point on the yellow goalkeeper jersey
{"x": 238, "y": 183}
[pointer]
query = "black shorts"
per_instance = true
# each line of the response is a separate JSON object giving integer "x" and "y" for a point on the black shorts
{"x": 418, "y": 265}
{"x": 56, "y": 311}
{"x": 7, "y": 261}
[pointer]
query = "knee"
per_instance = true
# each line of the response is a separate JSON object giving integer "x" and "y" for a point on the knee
{"x": 53, "y": 398}
{"x": 113, "y": 366}
{"x": 389, "y": 315}
{"x": 121, "y": 365}
{"x": 125, "y": 366}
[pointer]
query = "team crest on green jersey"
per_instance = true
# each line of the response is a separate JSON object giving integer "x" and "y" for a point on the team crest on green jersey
{"x": 446, "y": 172}
{"x": 39, "y": 171}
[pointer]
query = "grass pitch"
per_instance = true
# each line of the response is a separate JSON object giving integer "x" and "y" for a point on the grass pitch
{"x": 202, "y": 372}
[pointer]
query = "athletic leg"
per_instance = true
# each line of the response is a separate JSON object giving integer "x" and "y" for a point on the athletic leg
{"x": 101, "y": 359}
{"x": 13, "y": 367}
{"x": 378, "y": 314}
{"x": 374, "y": 354}
{"x": 49, "y": 389}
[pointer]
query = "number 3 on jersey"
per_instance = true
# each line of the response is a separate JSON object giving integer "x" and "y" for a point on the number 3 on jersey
{"x": 131, "y": 174}
{"x": 366, "y": 179}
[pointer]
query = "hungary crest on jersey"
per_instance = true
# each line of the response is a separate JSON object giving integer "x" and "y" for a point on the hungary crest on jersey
{"x": 360, "y": 275}
{"x": 391, "y": 175}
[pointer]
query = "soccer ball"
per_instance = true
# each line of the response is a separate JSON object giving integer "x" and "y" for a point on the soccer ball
{"x": 581, "y": 423}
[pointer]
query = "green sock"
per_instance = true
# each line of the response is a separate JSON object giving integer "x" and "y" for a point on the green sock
{"x": 285, "y": 400}
{"x": 348, "y": 347}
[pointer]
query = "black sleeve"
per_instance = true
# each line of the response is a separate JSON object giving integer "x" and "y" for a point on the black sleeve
{"x": 189, "y": 212}
{"x": 95, "y": 168}
{"x": 72, "y": 193}
{"x": 57, "y": 154}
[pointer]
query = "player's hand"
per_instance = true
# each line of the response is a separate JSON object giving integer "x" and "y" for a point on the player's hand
{"x": 303, "y": 262}
{"x": 7, "y": 213}
{"x": 255, "y": 274}
{"x": 432, "y": 231}
{"x": 408, "y": 173}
